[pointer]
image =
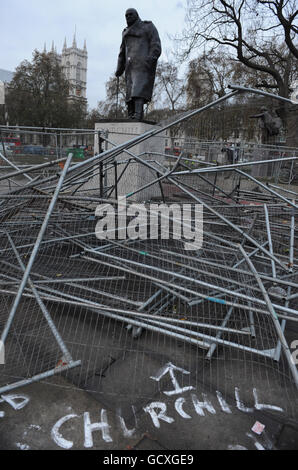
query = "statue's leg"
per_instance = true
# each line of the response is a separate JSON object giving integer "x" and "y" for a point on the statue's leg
{"x": 139, "y": 109}
{"x": 131, "y": 109}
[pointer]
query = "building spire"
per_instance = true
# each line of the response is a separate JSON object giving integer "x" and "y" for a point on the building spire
{"x": 53, "y": 48}
{"x": 74, "y": 42}
{"x": 45, "y": 48}
{"x": 65, "y": 45}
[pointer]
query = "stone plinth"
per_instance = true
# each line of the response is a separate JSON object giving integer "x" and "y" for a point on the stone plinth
{"x": 136, "y": 174}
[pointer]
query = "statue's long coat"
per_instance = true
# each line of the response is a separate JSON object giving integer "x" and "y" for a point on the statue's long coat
{"x": 139, "y": 53}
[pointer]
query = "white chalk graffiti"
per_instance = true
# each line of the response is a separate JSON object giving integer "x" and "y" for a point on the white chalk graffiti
{"x": 17, "y": 402}
{"x": 224, "y": 406}
{"x": 236, "y": 447}
{"x": 102, "y": 426}
{"x": 240, "y": 404}
{"x": 199, "y": 406}
{"x": 262, "y": 406}
{"x": 161, "y": 415}
{"x": 22, "y": 446}
{"x": 127, "y": 432}
{"x": 178, "y": 407}
{"x": 57, "y": 436}
{"x": 170, "y": 368}
{"x": 157, "y": 411}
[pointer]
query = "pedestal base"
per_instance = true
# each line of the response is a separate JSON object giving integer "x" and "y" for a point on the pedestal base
{"x": 134, "y": 175}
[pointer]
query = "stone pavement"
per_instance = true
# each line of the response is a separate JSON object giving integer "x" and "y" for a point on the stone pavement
{"x": 169, "y": 412}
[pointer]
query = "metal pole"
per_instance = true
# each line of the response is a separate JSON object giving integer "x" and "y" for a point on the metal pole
{"x": 35, "y": 251}
{"x": 291, "y": 261}
{"x": 151, "y": 133}
{"x": 42, "y": 306}
{"x": 279, "y": 196}
{"x": 14, "y": 166}
{"x": 32, "y": 168}
{"x": 274, "y": 317}
{"x": 116, "y": 180}
{"x": 269, "y": 240}
{"x": 229, "y": 223}
{"x": 219, "y": 215}
{"x": 196, "y": 281}
{"x": 260, "y": 92}
{"x": 117, "y": 99}
{"x": 39, "y": 377}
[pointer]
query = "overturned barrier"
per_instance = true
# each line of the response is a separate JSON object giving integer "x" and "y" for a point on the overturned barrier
{"x": 76, "y": 297}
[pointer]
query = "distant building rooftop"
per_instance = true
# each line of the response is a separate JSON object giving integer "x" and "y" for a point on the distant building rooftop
{"x": 6, "y": 75}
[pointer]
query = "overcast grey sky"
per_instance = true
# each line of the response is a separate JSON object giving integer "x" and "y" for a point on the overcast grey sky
{"x": 27, "y": 25}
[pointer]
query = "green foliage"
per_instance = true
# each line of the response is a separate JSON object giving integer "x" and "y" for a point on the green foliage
{"x": 38, "y": 95}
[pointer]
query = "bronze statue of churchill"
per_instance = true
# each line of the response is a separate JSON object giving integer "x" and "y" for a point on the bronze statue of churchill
{"x": 139, "y": 53}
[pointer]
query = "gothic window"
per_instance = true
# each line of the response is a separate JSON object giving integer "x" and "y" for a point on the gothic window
{"x": 78, "y": 74}
{"x": 68, "y": 70}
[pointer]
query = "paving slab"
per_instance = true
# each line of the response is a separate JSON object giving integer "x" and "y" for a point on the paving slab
{"x": 170, "y": 410}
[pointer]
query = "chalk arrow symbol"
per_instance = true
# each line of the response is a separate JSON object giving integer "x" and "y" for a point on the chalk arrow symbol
{"x": 170, "y": 368}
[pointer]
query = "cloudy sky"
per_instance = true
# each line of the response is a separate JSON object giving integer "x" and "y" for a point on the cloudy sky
{"x": 27, "y": 25}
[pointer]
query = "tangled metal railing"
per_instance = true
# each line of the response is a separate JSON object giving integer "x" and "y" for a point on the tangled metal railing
{"x": 71, "y": 302}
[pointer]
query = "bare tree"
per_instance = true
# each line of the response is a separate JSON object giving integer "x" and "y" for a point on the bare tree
{"x": 169, "y": 87}
{"x": 253, "y": 38}
{"x": 114, "y": 104}
{"x": 168, "y": 97}
{"x": 209, "y": 75}
{"x": 286, "y": 14}
{"x": 237, "y": 25}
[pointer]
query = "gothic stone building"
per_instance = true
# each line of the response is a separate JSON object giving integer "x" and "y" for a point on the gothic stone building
{"x": 74, "y": 64}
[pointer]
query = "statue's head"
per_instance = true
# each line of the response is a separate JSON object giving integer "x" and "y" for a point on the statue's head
{"x": 131, "y": 16}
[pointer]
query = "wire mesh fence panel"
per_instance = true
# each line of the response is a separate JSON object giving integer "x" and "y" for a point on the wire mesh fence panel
{"x": 124, "y": 292}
